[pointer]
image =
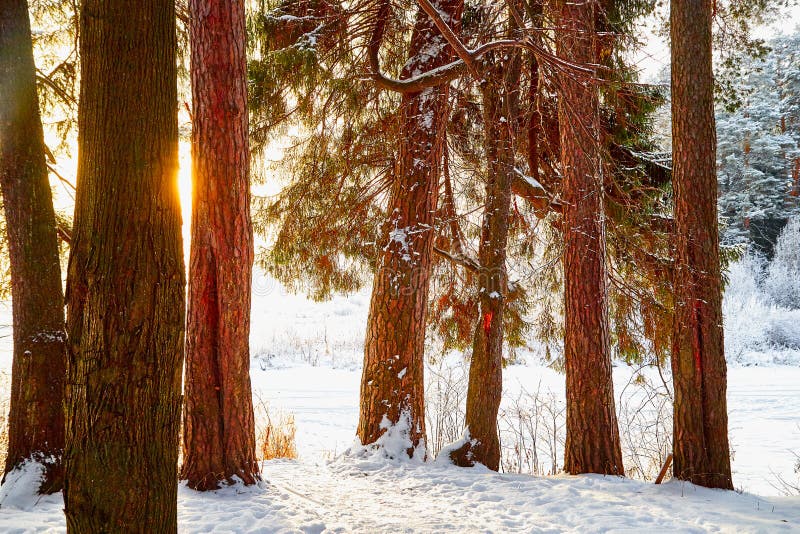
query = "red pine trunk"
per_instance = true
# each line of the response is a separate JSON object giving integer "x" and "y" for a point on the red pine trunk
{"x": 392, "y": 383}
{"x": 593, "y": 444}
{"x": 701, "y": 451}
{"x": 500, "y": 112}
{"x": 219, "y": 429}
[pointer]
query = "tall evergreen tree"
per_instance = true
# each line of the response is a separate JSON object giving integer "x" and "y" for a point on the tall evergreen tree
{"x": 36, "y": 418}
{"x": 392, "y": 383}
{"x": 700, "y": 420}
{"x": 500, "y": 92}
{"x": 219, "y": 428}
{"x": 593, "y": 444}
{"x": 126, "y": 283}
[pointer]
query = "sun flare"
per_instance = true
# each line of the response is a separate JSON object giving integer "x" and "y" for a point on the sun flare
{"x": 185, "y": 192}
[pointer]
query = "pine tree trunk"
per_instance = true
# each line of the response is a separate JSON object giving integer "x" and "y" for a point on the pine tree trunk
{"x": 392, "y": 383}
{"x": 125, "y": 290}
{"x": 36, "y": 416}
{"x": 701, "y": 450}
{"x": 593, "y": 444}
{"x": 219, "y": 429}
{"x": 500, "y": 110}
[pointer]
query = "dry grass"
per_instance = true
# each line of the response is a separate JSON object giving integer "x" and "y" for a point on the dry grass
{"x": 275, "y": 433}
{"x": 5, "y": 393}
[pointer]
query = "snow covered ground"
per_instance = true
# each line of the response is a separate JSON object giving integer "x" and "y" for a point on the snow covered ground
{"x": 307, "y": 362}
{"x": 363, "y": 495}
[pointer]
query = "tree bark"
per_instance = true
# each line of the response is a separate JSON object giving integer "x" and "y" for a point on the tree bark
{"x": 392, "y": 383}
{"x": 36, "y": 416}
{"x": 219, "y": 428}
{"x": 500, "y": 112}
{"x": 125, "y": 289}
{"x": 593, "y": 444}
{"x": 701, "y": 450}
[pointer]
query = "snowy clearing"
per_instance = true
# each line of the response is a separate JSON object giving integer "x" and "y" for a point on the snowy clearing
{"x": 306, "y": 361}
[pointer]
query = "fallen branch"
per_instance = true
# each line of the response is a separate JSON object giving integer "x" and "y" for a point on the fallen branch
{"x": 664, "y": 469}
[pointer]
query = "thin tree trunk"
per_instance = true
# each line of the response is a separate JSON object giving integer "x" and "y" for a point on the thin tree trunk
{"x": 125, "y": 290}
{"x": 392, "y": 383}
{"x": 36, "y": 416}
{"x": 534, "y": 125}
{"x": 500, "y": 111}
{"x": 701, "y": 450}
{"x": 593, "y": 444}
{"x": 219, "y": 429}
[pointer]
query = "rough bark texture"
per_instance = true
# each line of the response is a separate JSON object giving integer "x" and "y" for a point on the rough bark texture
{"x": 701, "y": 451}
{"x": 593, "y": 444}
{"x": 219, "y": 430}
{"x": 392, "y": 384}
{"x": 125, "y": 290}
{"x": 500, "y": 110}
{"x": 36, "y": 416}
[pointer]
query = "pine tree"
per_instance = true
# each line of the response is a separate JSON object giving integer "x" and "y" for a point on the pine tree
{"x": 219, "y": 428}
{"x": 758, "y": 149}
{"x": 36, "y": 418}
{"x": 700, "y": 420}
{"x": 125, "y": 286}
{"x": 392, "y": 383}
{"x": 500, "y": 91}
{"x": 593, "y": 444}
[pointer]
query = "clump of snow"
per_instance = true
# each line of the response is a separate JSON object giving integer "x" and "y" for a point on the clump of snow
{"x": 444, "y": 458}
{"x": 394, "y": 444}
{"x": 49, "y": 337}
{"x": 21, "y": 487}
{"x": 400, "y": 237}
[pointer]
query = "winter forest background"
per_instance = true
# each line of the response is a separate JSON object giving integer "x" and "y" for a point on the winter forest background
{"x": 322, "y": 146}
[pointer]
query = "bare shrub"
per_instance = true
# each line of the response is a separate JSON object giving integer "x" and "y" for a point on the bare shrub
{"x": 785, "y": 485}
{"x": 445, "y": 402}
{"x": 532, "y": 433}
{"x": 5, "y": 394}
{"x": 644, "y": 411}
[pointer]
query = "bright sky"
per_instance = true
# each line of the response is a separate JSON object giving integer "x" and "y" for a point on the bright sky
{"x": 655, "y": 54}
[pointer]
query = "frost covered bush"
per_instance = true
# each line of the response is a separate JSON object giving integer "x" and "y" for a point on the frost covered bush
{"x": 644, "y": 412}
{"x": 783, "y": 276}
{"x": 757, "y": 330}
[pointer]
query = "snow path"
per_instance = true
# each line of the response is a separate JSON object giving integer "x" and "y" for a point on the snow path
{"x": 351, "y": 495}
{"x": 363, "y": 496}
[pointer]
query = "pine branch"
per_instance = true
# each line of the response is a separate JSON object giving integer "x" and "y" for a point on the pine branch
{"x": 459, "y": 259}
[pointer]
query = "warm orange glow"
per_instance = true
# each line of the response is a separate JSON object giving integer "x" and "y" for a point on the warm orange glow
{"x": 185, "y": 191}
